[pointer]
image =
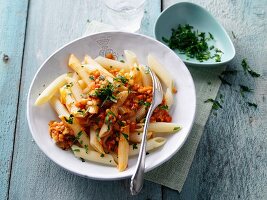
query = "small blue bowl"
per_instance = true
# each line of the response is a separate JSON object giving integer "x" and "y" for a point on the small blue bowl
{"x": 198, "y": 17}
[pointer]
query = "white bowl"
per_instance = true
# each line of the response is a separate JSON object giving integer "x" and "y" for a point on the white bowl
{"x": 183, "y": 111}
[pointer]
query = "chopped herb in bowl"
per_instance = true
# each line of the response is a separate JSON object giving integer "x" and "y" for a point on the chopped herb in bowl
{"x": 193, "y": 44}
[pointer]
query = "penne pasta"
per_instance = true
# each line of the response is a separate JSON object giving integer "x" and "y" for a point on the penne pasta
{"x": 160, "y": 127}
{"x": 70, "y": 121}
{"x": 131, "y": 58}
{"x": 95, "y": 142}
{"x": 146, "y": 78}
{"x": 137, "y": 136}
{"x": 93, "y": 156}
{"x": 169, "y": 98}
{"x": 75, "y": 64}
{"x": 75, "y": 88}
{"x": 51, "y": 90}
{"x": 109, "y": 63}
{"x": 108, "y": 98}
{"x": 123, "y": 148}
{"x": 150, "y": 145}
{"x": 159, "y": 70}
{"x": 92, "y": 64}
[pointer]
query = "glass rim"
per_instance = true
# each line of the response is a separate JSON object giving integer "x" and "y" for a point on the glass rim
{"x": 141, "y": 4}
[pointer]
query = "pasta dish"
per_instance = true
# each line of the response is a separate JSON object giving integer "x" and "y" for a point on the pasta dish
{"x": 102, "y": 105}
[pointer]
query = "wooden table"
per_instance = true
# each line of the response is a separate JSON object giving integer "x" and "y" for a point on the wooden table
{"x": 230, "y": 162}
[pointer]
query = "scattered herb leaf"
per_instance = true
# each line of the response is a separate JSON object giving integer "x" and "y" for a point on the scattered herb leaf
{"x": 102, "y": 155}
{"x": 135, "y": 146}
{"x": 247, "y": 68}
{"x": 82, "y": 160}
{"x": 233, "y": 35}
{"x": 163, "y": 107}
{"x": 122, "y": 79}
{"x": 70, "y": 119}
{"x": 125, "y": 136}
{"x": 252, "y": 104}
{"x": 216, "y": 105}
{"x": 92, "y": 77}
{"x": 177, "y": 128}
{"x": 76, "y": 150}
{"x": 224, "y": 81}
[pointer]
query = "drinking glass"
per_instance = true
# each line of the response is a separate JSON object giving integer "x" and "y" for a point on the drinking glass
{"x": 125, "y": 15}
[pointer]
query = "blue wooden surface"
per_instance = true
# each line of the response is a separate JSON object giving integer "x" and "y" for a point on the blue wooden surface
{"x": 231, "y": 160}
{"x": 12, "y": 31}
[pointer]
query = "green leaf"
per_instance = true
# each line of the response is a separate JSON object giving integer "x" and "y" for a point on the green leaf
{"x": 177, "y": 128}
{"x": 125, "y": 136}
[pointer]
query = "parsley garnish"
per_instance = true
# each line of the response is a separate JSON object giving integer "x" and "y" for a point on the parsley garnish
{"x": 244, "y": 88}
{"x": 70, "y": 119}
{"x": 92, "y": 77}
{"x": 232, "y": 72}
{"x": 135, "y": 146}
{"x": 163, "y": 107}
{"x": 82, "y": 160}
{"x": 191, "y": 43}
{"x": 216, "y": 105}
{"x": 76, "y": 150}
{"x": 121, "y": 123}
{"x": 233, "y": 35}
{"x": 177, "y": 128}
{"x": 86, "y": 148}
{"x": 142, "y": 102}
{"x": 224, "y": 81}
{"x": 69, "y": 85}
{"x": 252, "y": 104}
{"x": 209, "y": 82}
{"x": 125, "y": 136}
{"x": 106, "y": 94}
{"x": 247, "y": 68}
{"x": 102, "y": 155}
{"x": 122, "y": 79}
{"x": 78, "y": 137}
{"x": 122, "y": 61}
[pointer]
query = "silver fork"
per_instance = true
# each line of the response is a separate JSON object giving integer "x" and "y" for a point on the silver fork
{"x": 137, "y": 179}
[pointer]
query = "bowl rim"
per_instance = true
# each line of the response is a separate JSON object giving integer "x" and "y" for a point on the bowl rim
{"x": 196, "y": 63}
{"x": 147, "y": 169}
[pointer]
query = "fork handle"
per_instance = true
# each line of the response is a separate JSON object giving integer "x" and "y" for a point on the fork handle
{"x": 137, "y": 179}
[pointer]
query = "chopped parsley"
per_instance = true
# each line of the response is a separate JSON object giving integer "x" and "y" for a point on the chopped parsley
{"x": 70, "y": 119}
{"x": 77, "y": 138}
{"x": 137, "y": 68}
{"x": 121, "y": 123}
{"x": 163, "y": 107}
{"x": 209, "y": 82}
{"x": 69, "y": 85}
{"x": 244, "y": 88}
{"x": 86, "y": 148}
{"x": 122, "y": 79}
{"x": 82, "y": 160}
{"x": 233, "y": 35}
{"x": 76, "y": 150}
{"x": 109, "y": 113}
{"x": 192, "y": 43}
{"x": 232, "y": 72}
{"x": 142, "y": 102}
{"x": 247, "y": 68}
{"x": 106, "y": 94}
{"x": 92, "y": 77}
{"x": 216, "y": 105}
{"x": 252, "y": 104}
{"x": 224, "y": 81}
{"x": 125, "y": 136}
{"x": 122, "y": 61}
{"x": 135, "y": 146}
{"x": 102, "y": 155}
{"x": 177, "y": 128}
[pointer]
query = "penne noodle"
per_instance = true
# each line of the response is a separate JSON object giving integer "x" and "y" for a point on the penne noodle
{"x": 82, "y": 84}
{"x": 95, "y": 142}
{"x": 104, "y": 130}
{"x": 137, "y": 136}
{"x": 109, "y": 63}
{"x": 123, "y": 148}
{"x": 150, "y": 145}
{"x": 160, "y": 71}
{"x": 160, "y": 127}
{"x": 92, "y": 64}
{"x": 75, "y": 64}
{"x": 60, "y": 109}
{"x": 75, "y": 88}
{"x": 140, "y": 114}
{"x": 146, "y": 78}
{"x": 93, "y": 156}
{"x": 122, "y": 96}
{"x": 70, "y": 102}
{"x": 70, "y": 121}
{"x": 131, "y": 58}
{"x": 169, "y": 98}
{"x": 51, "y": 90}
